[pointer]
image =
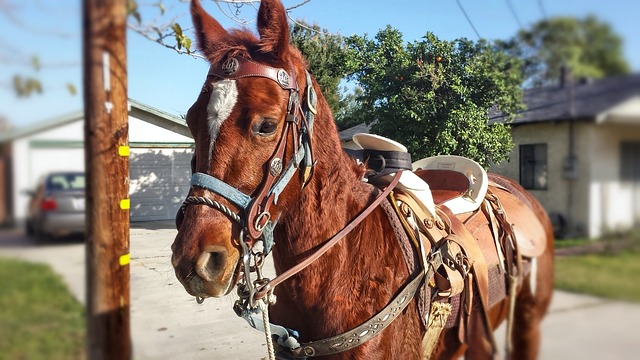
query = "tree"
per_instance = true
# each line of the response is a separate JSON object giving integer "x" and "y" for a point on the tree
{"x": 434, "y": 96}
{"x": 587, "y": 46}
{"x": 326, "y": 55}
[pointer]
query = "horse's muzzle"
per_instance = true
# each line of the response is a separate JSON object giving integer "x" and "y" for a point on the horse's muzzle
{"x": 212, "y": 274}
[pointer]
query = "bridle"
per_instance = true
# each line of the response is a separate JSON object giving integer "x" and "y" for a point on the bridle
{"x": 254, "y": 217}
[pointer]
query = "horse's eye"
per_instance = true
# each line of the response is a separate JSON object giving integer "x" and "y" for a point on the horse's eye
{"x": 267, "y": 127}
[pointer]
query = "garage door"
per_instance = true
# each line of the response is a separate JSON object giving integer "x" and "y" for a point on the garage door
{"x": 159, "y": 181}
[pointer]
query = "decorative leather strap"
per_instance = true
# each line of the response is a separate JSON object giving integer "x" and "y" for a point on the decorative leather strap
{"x": 381, "y": 163}
{"x": 361, "y": 334}
{"x": 238, "y": 68}
{"x": 479, "y": 269}
{"x": 374, "y": 326}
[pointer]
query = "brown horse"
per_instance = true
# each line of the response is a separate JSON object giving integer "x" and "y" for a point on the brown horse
{"x": 257, "y": 112}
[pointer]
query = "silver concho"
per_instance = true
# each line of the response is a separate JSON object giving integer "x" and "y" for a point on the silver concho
{"x": 276, "y": 167}
{"x": 283, "y": 78}
{"x": 230, "y": 66}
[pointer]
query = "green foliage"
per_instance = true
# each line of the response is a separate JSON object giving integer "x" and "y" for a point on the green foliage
{"x": 434, "y": 96}
{"x": 326, "y": 56}
{"x": 26, "y": 86}
{"x": 182, "y": 40}
{"x": 39, "y": 319}
{"x": 347, "y": 114}
{"x": 132, "y": 10}
{"x": 72, "y": 89}
{"x": 587, "y": 46}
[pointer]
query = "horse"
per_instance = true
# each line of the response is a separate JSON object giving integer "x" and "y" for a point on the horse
{"x": 269, "y": 169}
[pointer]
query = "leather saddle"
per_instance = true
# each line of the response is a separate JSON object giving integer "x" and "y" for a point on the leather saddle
{"x": 455, "y": 182}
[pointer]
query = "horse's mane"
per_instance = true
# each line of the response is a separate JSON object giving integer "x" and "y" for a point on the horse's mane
{"x": 245, "y": 44}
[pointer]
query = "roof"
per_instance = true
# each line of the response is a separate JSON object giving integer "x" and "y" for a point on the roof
{"x": 347, "y": 134}
{"x": 591, "y": 98}
{"x": 137, "y": 109}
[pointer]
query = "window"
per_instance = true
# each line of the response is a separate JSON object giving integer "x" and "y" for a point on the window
{"x": 533, "y": 166}
{"x": 630, "y": 161}
{"x": 66, "y": 181}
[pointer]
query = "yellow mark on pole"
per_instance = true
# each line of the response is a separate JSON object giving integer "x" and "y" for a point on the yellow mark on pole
{"x": 123, "y": 150}
{"x": 125, "y": 204}
{"x": 125, "y": 259}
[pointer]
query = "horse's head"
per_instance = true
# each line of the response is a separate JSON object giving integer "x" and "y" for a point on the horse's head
{"x": 250, "y": 121}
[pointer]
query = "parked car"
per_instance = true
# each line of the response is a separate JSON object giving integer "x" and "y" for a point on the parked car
{"x": 57, "y": 206}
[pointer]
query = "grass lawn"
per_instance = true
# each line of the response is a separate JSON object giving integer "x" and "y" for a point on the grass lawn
{"x": 39, "y": 318}
{"x": 611, "y": 275}
{"x": 567, "y": 243}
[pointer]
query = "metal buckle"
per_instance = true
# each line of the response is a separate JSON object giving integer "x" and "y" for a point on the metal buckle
{"x": 259, "y": 224}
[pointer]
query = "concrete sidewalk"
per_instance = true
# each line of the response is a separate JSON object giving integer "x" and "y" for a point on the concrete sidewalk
{"x": 167, "y": 323}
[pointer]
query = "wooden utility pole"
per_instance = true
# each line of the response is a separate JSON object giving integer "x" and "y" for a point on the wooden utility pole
{"x": 107, "y": 166}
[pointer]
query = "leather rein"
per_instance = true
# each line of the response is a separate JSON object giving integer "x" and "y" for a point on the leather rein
{"x": 256, "y": 223}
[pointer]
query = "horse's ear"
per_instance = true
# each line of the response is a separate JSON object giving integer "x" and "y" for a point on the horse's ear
{"x": 273, "y": 28}
{"x": 209, "y": 32}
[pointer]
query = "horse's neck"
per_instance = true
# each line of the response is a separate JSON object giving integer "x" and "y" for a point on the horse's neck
{"x": 355, "y": 278}
{"x": 334, "y": 197}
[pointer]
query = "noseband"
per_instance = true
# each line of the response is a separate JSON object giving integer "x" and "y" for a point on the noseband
{"x": 254, "y": 217}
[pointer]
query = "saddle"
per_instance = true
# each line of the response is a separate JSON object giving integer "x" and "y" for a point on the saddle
{"x": 455, "y": 182}
{"x": 473, "y": 271}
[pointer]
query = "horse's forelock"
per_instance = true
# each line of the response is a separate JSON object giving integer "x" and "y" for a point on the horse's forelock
{"x": 238, "y": 43}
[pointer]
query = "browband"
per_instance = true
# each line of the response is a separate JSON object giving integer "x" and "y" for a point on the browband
{"x": 237, "y": 68}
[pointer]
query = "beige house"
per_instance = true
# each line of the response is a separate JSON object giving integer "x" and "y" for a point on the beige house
{"x": 578, "y": 152}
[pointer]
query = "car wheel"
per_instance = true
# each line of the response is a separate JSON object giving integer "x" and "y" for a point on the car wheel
{"x": 29, "y": 229}
{"x": 40, "y": 236}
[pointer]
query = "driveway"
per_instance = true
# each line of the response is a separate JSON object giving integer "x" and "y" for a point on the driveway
{"x": 167, "y": 323}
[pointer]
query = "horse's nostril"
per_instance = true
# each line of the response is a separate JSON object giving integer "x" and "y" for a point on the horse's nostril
{"x": 211, "y": 263}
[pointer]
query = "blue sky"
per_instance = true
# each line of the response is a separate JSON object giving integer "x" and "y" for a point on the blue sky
{"x": 159, "y": 77}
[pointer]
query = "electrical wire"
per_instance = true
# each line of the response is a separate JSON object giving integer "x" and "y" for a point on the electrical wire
{"x": 542, "y": 10}
{"x": 468, "y": 19}
{"x": 515, "y": 15}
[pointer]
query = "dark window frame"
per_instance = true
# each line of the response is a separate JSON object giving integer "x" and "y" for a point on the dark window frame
{"x": 533, "y": 164}
{"x": 629, "y": 161}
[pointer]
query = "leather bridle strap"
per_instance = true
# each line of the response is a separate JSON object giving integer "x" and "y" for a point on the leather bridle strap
{"x": 264, "y": 289}
{"x": 237, "y": 68}
{"x": 372, "y": 327}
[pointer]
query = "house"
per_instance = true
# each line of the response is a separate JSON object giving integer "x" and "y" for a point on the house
{"x": 346, "y": 135}
{"x": 577, "y": 150}
{"x": 161, "y": 148}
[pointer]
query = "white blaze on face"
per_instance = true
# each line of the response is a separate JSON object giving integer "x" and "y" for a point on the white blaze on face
{"x": 224, "y": 95}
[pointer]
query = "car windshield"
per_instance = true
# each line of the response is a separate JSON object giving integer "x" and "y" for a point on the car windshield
{"x": 65, "y": 182}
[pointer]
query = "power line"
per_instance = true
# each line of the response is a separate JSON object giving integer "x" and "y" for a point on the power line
{"x": 235, "y": 9}
{"x": 542, "y": 10}
{"x": 308, "y": 27}
{"x": 468, "y": 19}
{"x": 515, "y": 15}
